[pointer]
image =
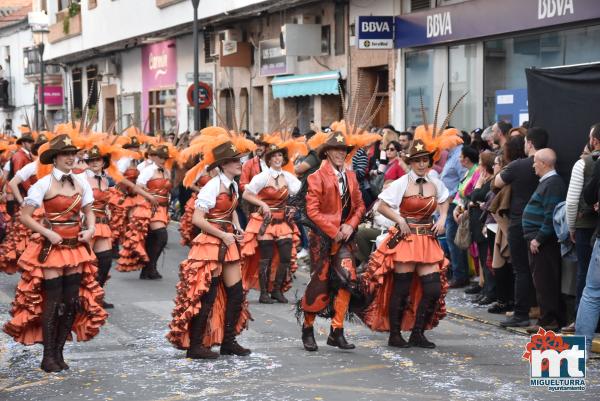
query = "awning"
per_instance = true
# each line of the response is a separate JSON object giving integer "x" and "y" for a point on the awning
{"x": 322, "y": 83}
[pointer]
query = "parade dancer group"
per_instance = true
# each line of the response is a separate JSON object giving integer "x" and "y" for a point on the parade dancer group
{"x": 62, "y": 228}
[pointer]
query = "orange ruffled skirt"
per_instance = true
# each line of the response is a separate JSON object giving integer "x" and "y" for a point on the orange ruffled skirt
{"x": 160, "y": 215}
{"x": 251, "y": 254}
{"x": 379, "y": 280}
{"x": 119, "y": 205}
{"x": 186, "y": 227}
{"x": 132, "y": 255}
{"x": 16, "y": 242}
{"x": 195, "y": 275}
{"x": 25, "y": 325}
{"x": 102, "y": 231}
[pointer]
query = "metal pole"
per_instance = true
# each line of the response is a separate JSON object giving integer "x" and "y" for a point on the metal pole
{"x": 196, "y": 3}
{"x": 42, "y": 68}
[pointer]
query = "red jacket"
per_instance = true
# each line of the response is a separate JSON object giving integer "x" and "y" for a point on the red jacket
{"x": 19, "y": 160}
{"x": 324, "y": 203}
{"x": 249, "y": 170}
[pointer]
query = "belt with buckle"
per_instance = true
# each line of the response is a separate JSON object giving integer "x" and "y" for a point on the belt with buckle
{"x": 102, "y": 220}
{"x": 418, "y": 229}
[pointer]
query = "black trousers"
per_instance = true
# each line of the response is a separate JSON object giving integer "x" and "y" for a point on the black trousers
{"x": 523, "y": 282}
{"x": 545, "y": 270}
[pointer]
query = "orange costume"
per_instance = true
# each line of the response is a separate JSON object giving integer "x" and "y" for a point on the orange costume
{"x": 207, "y": 312}
{"x": 187, "y": 230}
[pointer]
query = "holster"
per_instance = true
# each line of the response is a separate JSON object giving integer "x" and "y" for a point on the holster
{"x": 264, "y": 225}
{"x": 46, "y": 248}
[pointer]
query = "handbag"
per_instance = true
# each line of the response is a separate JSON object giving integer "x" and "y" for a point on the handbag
{"x": 462, "y": 239}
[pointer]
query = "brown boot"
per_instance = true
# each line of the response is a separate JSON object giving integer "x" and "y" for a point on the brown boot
{"x": 52, "y": 296}
{"x": 198, "y": 325}
{"x": 398, "y": 301}
{"x": 264, "y": 268}
{"x": 235, "y": 297}
{"x": 336, "y": 339}
{"x": 431, "y": 292}
{"x": 71, "y": 284}
{"x": 284, "y": 247}
{"x": 308, "y": 339}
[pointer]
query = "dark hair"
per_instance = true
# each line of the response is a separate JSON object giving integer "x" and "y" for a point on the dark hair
{"x": 389, "y": 126}
{"x": 504, "y": 127}
{"x": 477, "y": 134}
{"x": 309, "y": 134}
{"x": 480, "y": 145}
{"x": 465, "y": 137}
{"x": 538, "y": 137}
{"x": 396, "y": 144}
{"x": 595, "y": 131}
{"x": 487, "y": 160}
{"x": 525, "y": 124}
{"x": 514, "y": 149}
{"x": 406, "y": 133}
{"x": 470, "y": 153}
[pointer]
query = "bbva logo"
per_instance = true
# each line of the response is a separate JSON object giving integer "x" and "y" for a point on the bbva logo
{"x": 439, "y": 25}
{"x": 554, "y": 8}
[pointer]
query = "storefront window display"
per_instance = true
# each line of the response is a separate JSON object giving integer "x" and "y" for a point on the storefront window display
{"x": 419, "y": 82}
{"x": 462, "y": 64}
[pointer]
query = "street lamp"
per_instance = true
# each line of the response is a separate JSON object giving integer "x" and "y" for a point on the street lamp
{"x": 42, "y": 68}
{"x": 39, "y": 22}
{"x": 195, "y": 4}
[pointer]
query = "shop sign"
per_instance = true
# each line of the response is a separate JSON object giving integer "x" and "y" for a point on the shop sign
{"x": 53, "y": 95}
{"x": 159, "y": 69}
{"x": 272, "y": 59}
{"x": 229, "y": 47}
{"x": 472, "y": 19}
{"x": 375, "y": 32}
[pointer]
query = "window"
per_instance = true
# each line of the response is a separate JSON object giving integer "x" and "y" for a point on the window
{"x": 129, "y": 110}
{"x": 462, "y": 63}
{"x": 419, "y": 83}
{"x": 340, "y": 26}
{"x": 162, "y": 110}
{"x": 77, "y": 96}
{"x": 505, "y": 60}
{"x": 91, "y": 73}
{"x": 325, "y": 40}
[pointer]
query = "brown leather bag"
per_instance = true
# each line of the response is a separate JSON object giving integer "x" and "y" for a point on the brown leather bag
{"x": 462, "y": 239}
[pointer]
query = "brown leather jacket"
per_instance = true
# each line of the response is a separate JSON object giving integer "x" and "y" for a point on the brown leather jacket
{"x": 324, "y": 203}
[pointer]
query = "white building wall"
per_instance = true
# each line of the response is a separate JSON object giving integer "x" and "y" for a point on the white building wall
{"x": 131, "y": 71}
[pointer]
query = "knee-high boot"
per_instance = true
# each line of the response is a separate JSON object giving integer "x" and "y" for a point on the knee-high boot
{"x": 265, "y": 248}
{"x": 53, "y": 293}
{"x": 199, "y": 322}
{"x": 150, "y": 246}
{"x": 284, "y": 247}
{"x": 160, "y": 241}
{"x": 431, "y": 292}
{"x": 71, "y": 284}
{"x": 104, "y": 264}
{"x": 398, "y": 302}
{"x": 235, "y": 297}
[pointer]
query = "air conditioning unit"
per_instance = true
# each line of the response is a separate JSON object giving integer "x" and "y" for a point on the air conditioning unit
{"x": 232, "y": 35}
{"x": 215, "y": 43}
{"x": 304, "y": 19}
{"x": 107, "y": 67}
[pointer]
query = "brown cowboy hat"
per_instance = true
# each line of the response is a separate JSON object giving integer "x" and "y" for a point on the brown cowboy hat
{"x": 94, "y": 153}
{"x": 41, "y": 139}
{"x": 58, "y": 145}
{"x": 224, "y": 153}
{"x": 26, "y": 137}
{"x": 260, "y": 140}
{"x": 336, "y": 140}
{"x": 272, "y": 149}
{"x": 417, "y": 150}
{"x": 134, "y": 143}
{"x": 161, "y": 151}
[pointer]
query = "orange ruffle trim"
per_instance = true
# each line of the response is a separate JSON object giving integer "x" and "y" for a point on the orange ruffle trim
{"x": 119, "y": 211}
{"x": 132, "y": 255}
{"x": 195, "y": 275}
{"x": 160, "y": 215}
{"x": 379, "y": 280}
{"x": 251, "y": 254}
{"x": 25, "y": 325}
{"x": 16, "y": 242}
{"x": 102, "y": 231}
{"x": 186, "y": 227}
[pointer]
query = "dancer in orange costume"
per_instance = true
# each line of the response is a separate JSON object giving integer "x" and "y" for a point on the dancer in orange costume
{"x": 210, "y": 306}
{"x": 271, "y": 239}
{"x": 406, "y": 276}
{"x": 58, "y": 292}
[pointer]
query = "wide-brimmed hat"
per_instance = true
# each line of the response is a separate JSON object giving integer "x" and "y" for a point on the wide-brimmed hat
{"x": 260, "y": 140}
{"x": 41, "y": 139}
{"x": 133, "y": 143}
{"x": 95, "y": 153}
{"x": 417, "y": 150}
{"x": 336, "y": 140}
{"x": 161, "y": 151}
{"x": 224, "y": 153}
{"x": 274, "y": 148}
{"x": 26, "y": 137}
{"x": 60, "y": 144}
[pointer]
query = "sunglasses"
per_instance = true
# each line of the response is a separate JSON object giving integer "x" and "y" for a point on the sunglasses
{"x": 391, "y": 149}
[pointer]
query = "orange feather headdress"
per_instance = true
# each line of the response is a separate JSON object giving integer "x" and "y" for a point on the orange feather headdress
{"x": 289, "y": 146}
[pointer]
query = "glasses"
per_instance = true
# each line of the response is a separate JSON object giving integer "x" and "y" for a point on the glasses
{"x": 391, "y": 150}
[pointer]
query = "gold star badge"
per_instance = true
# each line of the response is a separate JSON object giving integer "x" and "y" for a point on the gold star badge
{"x": 67, "y": 141}
{"x": 340, "y": 138}
{"x": 233, "y": 148}
{"x": 419, "y": 146}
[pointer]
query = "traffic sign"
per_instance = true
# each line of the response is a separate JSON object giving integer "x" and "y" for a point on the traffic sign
{"x": 205, "y": 95}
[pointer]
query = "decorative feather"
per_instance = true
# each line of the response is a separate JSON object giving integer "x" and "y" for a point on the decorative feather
{"x": 437, "y": 109}
{"x": 449, "y": 116}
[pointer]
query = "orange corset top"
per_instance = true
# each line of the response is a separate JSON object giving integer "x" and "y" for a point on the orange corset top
{"x": 224, "y": 207}
{"x": 202, "y": 181}
{"x": 161, "y": 188}
{"x": 62, "y": 212}
{"x": 274, "y": 197}
{"x": 417, "y": 207}
{"x": 100, "y": 202}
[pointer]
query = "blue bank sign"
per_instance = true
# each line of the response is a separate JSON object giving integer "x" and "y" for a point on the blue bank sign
{"x": 375, "y": 32}
{"x": 480, "y": 18}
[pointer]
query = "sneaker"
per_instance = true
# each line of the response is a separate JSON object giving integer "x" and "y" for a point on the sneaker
{"x": 515, "y": 321}
{"x": 485, "y": 300}
{"x": 500, "y": 308}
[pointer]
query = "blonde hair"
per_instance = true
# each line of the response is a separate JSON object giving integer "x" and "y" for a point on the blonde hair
{"x": 388, "y": 136}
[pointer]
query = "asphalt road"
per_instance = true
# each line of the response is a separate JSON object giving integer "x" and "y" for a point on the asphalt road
{"x": 131, "y": 360}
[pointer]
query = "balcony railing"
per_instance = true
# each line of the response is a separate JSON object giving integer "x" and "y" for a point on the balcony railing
{"x": 32, "y": 69}
{"x": 65, "y": 27}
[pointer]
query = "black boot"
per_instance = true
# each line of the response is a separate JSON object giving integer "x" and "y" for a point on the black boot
{"x": 235, "y": 297}
{"x": 198, "y": 325}
{"x": 71, "y": 284}
{"x": 398, "y": 301}
{"x": 308, "y": 339}
{"x": 160, "y": 241}
{"x": 104, "y": 264}
{"x": 336, "y": 339}
{"x": 115, "y": 249}
{"x": 52, "y": 300}
{"x": 285, "y": 256}
{"x": 431, "y": 293}
{"x": 265, "y": 248}
{"x": 150, "y": 246}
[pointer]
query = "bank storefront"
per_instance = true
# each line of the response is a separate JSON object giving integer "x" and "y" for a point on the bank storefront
{"x": 483, "y": 47}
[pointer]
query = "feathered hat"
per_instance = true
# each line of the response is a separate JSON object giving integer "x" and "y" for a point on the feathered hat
{"x": 290, "y": 148}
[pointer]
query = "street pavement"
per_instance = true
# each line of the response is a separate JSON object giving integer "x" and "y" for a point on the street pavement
{"x": 131, "y": 359}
